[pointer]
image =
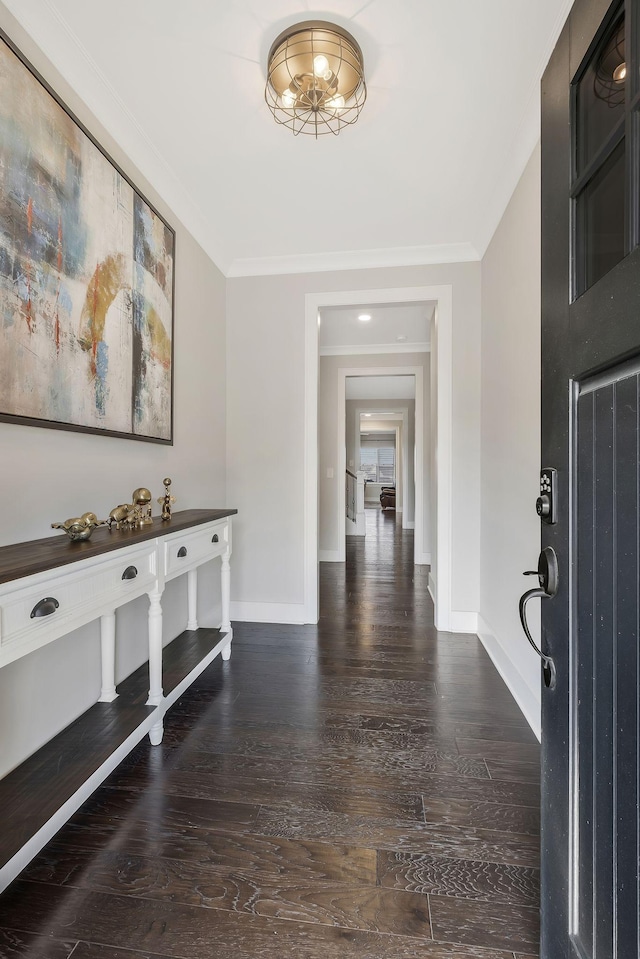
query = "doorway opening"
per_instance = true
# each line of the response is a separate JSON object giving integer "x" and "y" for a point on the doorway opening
{"x": 440, "y": 368}
{"x": 397, "y": 407}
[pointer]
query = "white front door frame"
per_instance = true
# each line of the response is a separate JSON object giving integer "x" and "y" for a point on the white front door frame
{"x": 418, "y": 473}
{"x": 443, "y": 297}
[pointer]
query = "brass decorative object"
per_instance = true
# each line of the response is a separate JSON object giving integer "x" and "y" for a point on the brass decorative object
{"x": 80, "y": 527}
{"x": 142, "y": 500}
{"x": 132, "y": 515}
{"x": 315, "y": 78}
{"x": 167, "y": 500}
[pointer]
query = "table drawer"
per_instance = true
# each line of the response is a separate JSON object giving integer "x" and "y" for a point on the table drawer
{"x": 183, "y": 551}
{"x": 39, "y": 609}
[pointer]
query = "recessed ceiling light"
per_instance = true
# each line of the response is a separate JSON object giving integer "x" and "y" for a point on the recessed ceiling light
{"x": 401, "y": 338}
{"x": 367, "y": 414}
{"x": 364, "y": 317}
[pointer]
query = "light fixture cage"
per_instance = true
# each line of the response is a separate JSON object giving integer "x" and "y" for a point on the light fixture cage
{"x": 315, "y": 79}
{"x": 610, "y": 74}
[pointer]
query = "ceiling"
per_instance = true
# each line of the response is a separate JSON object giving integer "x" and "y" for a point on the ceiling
{"x": 404, "y": 327}
{"x": 381, "y": 387}
{"x": 451, "y": 118}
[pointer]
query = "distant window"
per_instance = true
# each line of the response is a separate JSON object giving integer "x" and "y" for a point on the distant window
{"x": 379, "y": 465}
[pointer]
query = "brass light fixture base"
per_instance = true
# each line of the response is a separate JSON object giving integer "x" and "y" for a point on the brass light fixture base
{"x": 315, "y": 78}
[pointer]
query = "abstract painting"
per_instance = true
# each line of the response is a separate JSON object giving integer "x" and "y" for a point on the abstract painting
{"x": 86, "y": 276}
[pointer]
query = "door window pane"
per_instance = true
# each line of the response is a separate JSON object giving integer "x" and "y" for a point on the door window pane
{"x": 601, "y": 95}
{"x": 600, "y": 221}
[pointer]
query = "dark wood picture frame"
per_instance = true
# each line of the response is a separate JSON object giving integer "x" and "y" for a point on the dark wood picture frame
{"x": 151, "y": 345}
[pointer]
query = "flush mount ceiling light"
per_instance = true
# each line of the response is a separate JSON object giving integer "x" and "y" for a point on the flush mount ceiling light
{"x": 315, "y": 78}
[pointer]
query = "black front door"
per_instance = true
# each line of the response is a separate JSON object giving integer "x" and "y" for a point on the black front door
{"x": 591, "y": 436}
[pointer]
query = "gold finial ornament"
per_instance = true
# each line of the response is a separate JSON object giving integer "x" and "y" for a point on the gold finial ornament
{"x": 167, "y": 500}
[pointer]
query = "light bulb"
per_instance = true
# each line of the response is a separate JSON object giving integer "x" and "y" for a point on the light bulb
{"x": 336, "y": 104}
{"x": 321, "y": 67}
{"x": 620, "y": 73}
{"x": 288, "y": 100}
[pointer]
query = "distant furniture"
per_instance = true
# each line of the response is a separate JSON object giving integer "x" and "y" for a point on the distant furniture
{"x": 388, "y": 497}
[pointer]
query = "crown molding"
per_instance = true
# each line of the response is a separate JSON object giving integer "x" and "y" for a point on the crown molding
{"x": 59, "y": 43}
{"x": 354, "y": 260}
{"x": 524, "y": 142}
{"x": 375, "y": 348}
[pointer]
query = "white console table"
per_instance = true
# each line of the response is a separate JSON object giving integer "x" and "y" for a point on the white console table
{"x": 52, "y": 586}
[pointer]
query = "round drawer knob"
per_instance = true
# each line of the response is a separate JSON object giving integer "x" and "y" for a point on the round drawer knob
{"x": 182, "y": 552}
{"x": 45, "y": 607}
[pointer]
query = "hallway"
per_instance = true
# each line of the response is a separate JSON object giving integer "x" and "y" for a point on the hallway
{"x": 363, "y": 788}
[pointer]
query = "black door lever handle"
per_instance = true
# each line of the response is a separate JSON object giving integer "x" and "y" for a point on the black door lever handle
{"x": 547, "y": 573}
{"x": 547, "y": 663}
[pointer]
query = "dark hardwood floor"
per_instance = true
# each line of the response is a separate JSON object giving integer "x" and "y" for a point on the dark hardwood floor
{"x": 363, "y": 789}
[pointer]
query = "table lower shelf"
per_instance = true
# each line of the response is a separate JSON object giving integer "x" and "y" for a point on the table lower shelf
{"x": 41, "y": 794}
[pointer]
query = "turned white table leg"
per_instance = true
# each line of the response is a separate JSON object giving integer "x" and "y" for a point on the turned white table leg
{"x": 108, "y": 653}
{"x": 192, "y": 598}
{"x": 155, "y": 665}
{"x": 225, "y": 583}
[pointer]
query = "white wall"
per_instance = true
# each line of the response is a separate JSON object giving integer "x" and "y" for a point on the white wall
{"x": 510, "y": 537}
{"x": 48, "y": 475}
{"x": 265, "y": 371}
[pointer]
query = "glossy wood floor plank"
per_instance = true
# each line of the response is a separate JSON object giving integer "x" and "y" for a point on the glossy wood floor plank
{"x": 514, "y": 771}
{"x": 488, "y": 924}
{"x": 24, "y": 945}
{"x": 70, "y": 852}
{"x": 375, "y": 909}
{"x": 193, "y": 932}
{"x": 460, "y": 878}
{"x": 437, "y": 839}
{"x": 357, "y": 800}
{"x": 365, "y": 789}
{"x": 426, "y": 780}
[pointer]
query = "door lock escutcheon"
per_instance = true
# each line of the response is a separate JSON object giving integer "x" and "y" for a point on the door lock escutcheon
{"x": 547, "y": 573}
{"x": 547, "y": 501}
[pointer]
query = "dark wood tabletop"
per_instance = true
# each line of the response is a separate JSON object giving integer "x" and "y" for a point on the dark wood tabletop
{"x": 37, "y": 555}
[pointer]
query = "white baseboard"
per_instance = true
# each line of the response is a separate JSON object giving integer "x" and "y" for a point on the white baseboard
{"x": 293, "y": 613}
{"x": 424, "y": 559}
{"x": 432, "y": 587}
{"x": 463, "y": 622}
{"x": 523, "y": 694}
{"x": 409, "y": 524}
{"x": 331, "y": 555}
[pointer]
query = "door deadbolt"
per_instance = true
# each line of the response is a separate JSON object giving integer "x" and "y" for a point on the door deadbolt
{"x": 546, "y": 503}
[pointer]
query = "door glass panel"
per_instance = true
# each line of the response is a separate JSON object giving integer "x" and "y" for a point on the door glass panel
{"x": 600, "y": 221}
{"x": 601, "y": 95}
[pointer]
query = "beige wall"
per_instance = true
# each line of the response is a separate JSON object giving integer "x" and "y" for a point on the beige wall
{"x": 511, "y": 435}
{"x": 48, "y": 475}
{"x": 265, "y": 423}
